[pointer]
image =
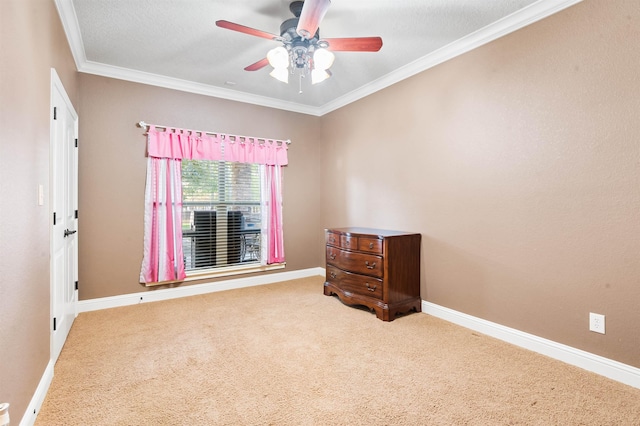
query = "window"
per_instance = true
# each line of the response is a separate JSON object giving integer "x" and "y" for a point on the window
{"x": 221, "y": 214}
{"x": 232, "y": 210}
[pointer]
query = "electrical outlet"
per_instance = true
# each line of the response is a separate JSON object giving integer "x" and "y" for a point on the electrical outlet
{"x": 596, "y": 322}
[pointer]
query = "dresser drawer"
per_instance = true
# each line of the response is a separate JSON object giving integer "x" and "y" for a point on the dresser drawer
{"x": 353, "y": 283}
{"x": 372, "y": 245}
{"x": 348, "y": 242}
{"x": 360, "y": 263}
{"x": 332, "y": 239}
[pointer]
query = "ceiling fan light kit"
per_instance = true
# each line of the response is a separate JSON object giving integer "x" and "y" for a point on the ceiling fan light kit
{"x": 302, "y": 48}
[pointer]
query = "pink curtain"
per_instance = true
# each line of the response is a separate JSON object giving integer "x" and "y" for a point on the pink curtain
{"x": 196, "y": 145}
{"x": 251, "y": 150}
{"x": 272, "y": 155}
{"x": 272, "y": 213}
{"x": 163, "y": 257}
{"x": 183, "y": 144}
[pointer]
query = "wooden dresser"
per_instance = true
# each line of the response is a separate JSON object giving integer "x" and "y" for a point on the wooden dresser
{"x": 376, "y": 268}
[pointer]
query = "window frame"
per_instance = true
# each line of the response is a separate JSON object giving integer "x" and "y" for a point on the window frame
{"x": 220, "y": 203}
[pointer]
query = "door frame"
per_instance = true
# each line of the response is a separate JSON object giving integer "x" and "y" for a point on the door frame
{"x": 57, "y": 86}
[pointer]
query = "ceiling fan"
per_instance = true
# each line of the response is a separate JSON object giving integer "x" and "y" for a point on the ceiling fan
{"x": 302, "y": 48}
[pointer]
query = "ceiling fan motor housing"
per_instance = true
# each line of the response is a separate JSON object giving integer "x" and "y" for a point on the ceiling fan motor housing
{"x": 296, "y": 8}
{"x": 288, "y": 30}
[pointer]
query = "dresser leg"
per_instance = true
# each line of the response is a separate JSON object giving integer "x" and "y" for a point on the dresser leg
{"x": 390, "y": 314}
{"x": 385, "y": 314}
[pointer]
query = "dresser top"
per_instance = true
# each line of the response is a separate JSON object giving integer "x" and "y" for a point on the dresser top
{"x": 368, "y": 231}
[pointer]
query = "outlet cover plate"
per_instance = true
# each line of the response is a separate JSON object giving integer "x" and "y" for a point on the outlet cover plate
{"x": 596, "y": 322}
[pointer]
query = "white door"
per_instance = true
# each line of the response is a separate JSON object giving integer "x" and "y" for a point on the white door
{"x": 64, "y": 214}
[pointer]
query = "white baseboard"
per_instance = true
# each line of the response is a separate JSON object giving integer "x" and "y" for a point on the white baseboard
{"x": 193, "y": 290}
{"x": 29, "y": 417}
{"x": 605, "y": 367}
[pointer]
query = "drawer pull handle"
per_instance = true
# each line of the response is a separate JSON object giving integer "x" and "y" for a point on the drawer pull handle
{"x": 370, "y": 245}
{"x": 332, "y": 240}
{"x": 371, "y": 288}
{"x": 332, "y": 256}
{"x": 373, "y": 265}
{"x": 333, "y": 275}
{"x": 347, "y": 242}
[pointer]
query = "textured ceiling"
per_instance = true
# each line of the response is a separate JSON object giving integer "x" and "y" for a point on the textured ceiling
{"x": 175, "y": 43}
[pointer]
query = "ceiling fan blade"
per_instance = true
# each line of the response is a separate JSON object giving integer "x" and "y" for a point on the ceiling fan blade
{"x": 247, "y": 30}
{"x": 312, "y": 13}
{"x": 258, "y": 65}
{"x": 354, "y": 44}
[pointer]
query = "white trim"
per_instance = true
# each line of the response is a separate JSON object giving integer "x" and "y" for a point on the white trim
{"x": 57, "y": 83}
{"x": 597, "y": 364}
{"x": 29, "y": 417}
{"x": 72, "y": 29}
{"x": 520, "y": 19}
{"x": 193, "y": 290}
{"x": 511, "y": 23}
{"x": 142, "y": 77}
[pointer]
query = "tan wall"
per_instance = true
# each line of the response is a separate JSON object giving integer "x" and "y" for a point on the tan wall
{"x": 31, "y": 42}
{"x": 113, "y": 169}
{"x": 520, "y": 165}
{"x": 523, "y": 178}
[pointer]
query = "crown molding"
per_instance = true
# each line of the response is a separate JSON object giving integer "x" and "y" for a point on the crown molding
{"x": 520, "y": 19}
{"x": 72, "y": 30}
{"x": 511, "y": 23}
{"x": 120, "y": 73}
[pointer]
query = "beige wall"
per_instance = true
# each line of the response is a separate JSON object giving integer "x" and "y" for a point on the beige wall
{"x": 523, "y": 176}
{"x": 31, "y": 42}
{"x": 113, "y": 169}
{"x": 520, "y": 165}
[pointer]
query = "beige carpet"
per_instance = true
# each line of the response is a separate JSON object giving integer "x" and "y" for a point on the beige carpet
{"x": 285, "y": 354}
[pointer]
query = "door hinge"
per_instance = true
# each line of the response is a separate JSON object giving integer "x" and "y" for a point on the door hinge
{"x": 55, "y": 113}
{"x": 76, "y": 285}
{"x": 54, "y": 218}
{"x": 76, "y": 142}
{"x": 54, "y": 324}
{"x": 76, "y": 214}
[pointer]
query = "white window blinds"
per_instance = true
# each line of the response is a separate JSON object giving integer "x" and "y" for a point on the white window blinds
{"x": 221, "y": 214}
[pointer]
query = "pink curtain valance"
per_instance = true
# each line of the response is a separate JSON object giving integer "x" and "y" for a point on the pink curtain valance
{"x": 192, "y": 145}
{"x": 183, "y": 144}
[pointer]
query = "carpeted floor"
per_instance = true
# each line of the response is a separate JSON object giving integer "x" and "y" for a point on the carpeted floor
{"x": 285, "y": 354}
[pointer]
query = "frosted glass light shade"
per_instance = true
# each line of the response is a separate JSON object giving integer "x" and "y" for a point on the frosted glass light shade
{"x": 318, "y": 76}
{"x": 322, "y": 59}
{"x": 278, "y": 57}
{"x": 281, "y": 74}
